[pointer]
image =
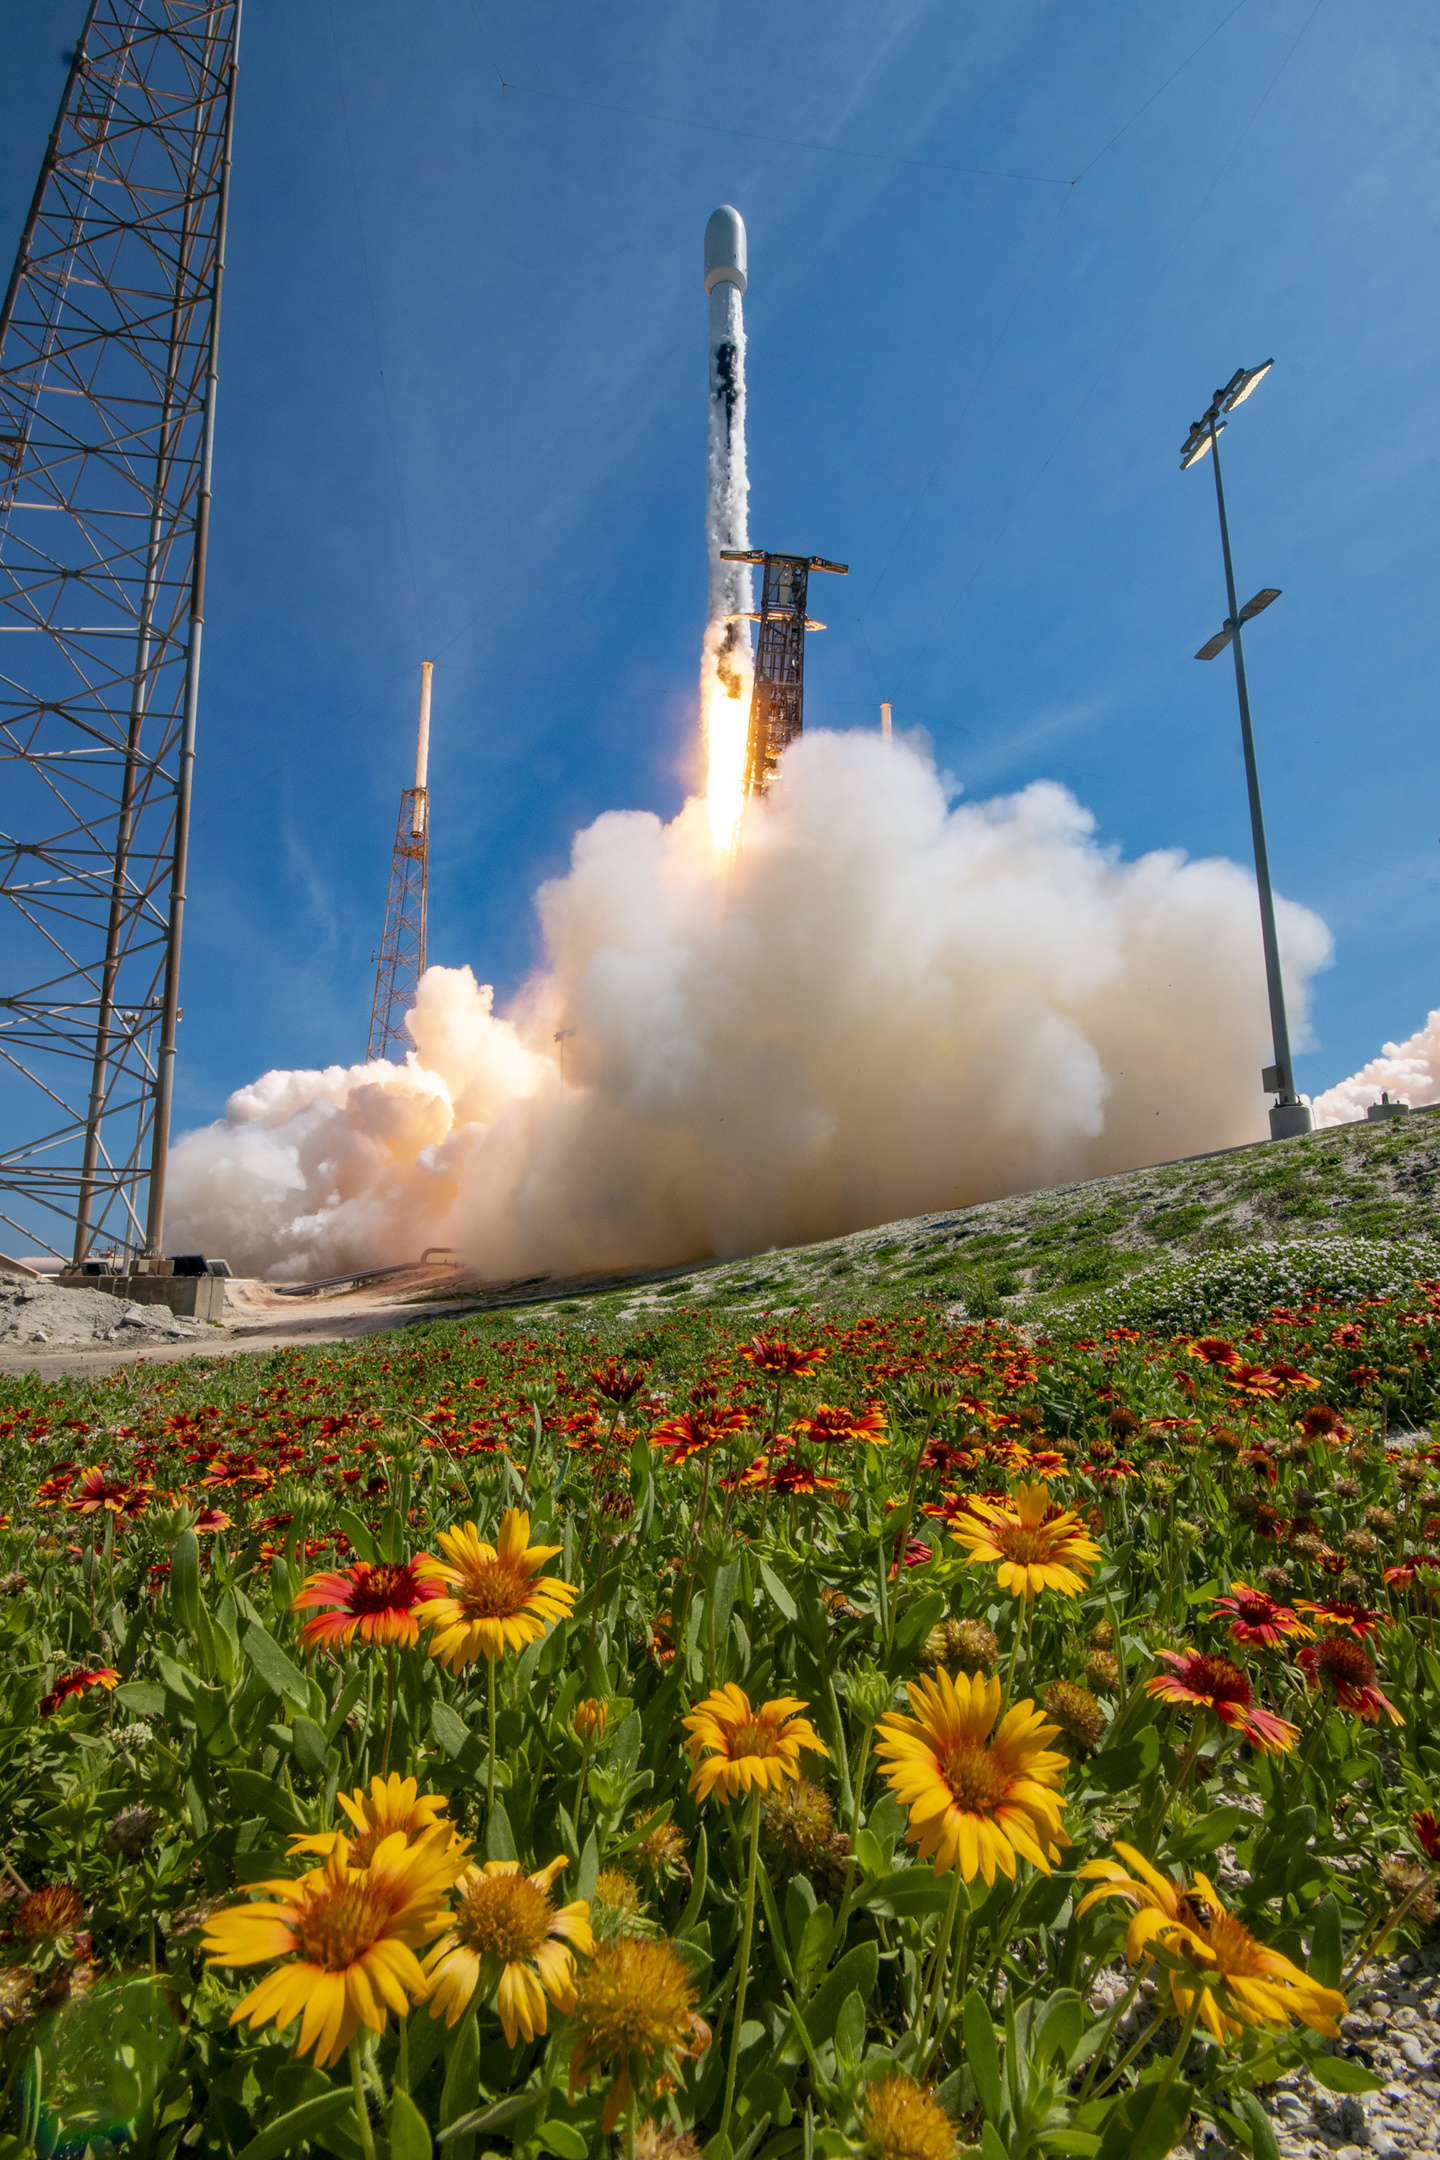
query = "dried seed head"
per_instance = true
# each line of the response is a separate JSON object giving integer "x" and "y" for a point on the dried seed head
{"x": 1380, "y": 1520}
{"x": 967, "y": 1646}
{"x": 1275, "y": 1582}
{"x": 1102, "y": 1670}
{"x": 1347, "y": 1488}
{"x": 1102, "y": 1636}
{"x": 1075, "y": 1711}
{"x": 1361, "y": 1544}
{"x": 798, "y": 1823}
{"x": 1401, "y": 1879}
{"x": 1352, "y": 1589}
{"x": 132, "y": 1831}
{"x": 1411, "y": 1473}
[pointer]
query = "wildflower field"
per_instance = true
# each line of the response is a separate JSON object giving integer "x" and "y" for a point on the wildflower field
{"x": 783, "y": 1738}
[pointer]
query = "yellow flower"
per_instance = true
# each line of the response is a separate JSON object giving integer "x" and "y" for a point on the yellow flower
{"x": 733, "y": 1748}
{"x": 348, "y": 1936}
{"x": 507, "y": 1936}
{"x": 497, "y": 1600}
{"x": 1199, "y": 1945}
{"x": 1032, "y": 1545}
{"x": 975, "y": 1797}
{"x": 635, "y": 2013}
{"x": 902, "y": 2122}
{"x": 392, "y": 1804}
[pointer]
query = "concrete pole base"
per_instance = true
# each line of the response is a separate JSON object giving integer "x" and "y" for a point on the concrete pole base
{"x": 1288, "y": 1120}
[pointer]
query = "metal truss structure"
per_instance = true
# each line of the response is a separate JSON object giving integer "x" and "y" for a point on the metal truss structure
{"x": 777, "y": 702}
{"x": 108, "y": 344}
{"x": 402, "y": 949}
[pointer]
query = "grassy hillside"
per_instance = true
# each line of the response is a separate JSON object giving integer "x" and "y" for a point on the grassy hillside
{"x": 1034, "y": 1254}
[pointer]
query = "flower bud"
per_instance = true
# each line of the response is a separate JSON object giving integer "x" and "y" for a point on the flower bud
{"x": 868, "y": 1692}
{"x": 590, "y": 1719}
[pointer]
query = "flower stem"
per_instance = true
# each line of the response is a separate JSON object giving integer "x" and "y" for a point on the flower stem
{"x": 362, "y": 2112}
{"x": 743, "y": 1970}
{"x": 1117, "y": 2011}
{"x": 389, "y": 1708}
{"x": 490, "y": 1773}
{"x": 936, "y": 1979}
{"x": 1182, "y": 2047}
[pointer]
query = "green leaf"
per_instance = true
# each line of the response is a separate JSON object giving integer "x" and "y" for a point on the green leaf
{"x": 992, "y": 2145}
{"x": 409, "y": 2131}
{"x": 780, "y": 1597}
{"x": 855, "y": 1974}
{"x": 279, "y": 1672}
{"x": 488, "y": 2118}
{"x": 690, "y": 1918}
{"x": 450, "y": 1731}
{"x": 310, "y": 1749}
{"x": 499, "y": 1837}
{"x": 1327, "y": 1950}
{"x": 982, "y": 2053}
{"x": 461, "y": 2089}
{"x": 263, "y": 1796}
{"x": 184, "y": 1582}
{"x": 1337, "y": 2073}
{"x": 1116, "y": 1769}
{"x": 142, "y": 1698}
{"x": 626, "y": 1751}
{"x": 917, "y": 1620}
{"x": 300, "y": 2123}
{"x": 1262, "y": 2131}
{"x": 589, "y": 1871}
{"x": 850, "y": 2029}
{"x": 359, "y": 1533}
{"x": 560, "y": 2138}
{"x": 1133, "y": 2132}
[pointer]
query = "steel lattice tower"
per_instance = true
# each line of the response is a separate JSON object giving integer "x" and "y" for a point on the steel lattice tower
{"x": 107, "y": 412}
{"x": 402, "y": 949}
{"x": 777, "y": 701}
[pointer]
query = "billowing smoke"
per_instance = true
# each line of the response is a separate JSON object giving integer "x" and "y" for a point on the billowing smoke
{"x": 1406, "y": 1072}
{"x": 883, "y": 1004}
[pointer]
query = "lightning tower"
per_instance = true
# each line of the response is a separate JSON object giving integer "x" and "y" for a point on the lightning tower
{"x": 777, "y": 701}
{"x": 402, "y": 949}
{"x": 108, "y": 350}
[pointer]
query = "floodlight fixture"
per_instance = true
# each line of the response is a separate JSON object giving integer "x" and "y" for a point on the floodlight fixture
{"x": 1197, "y": 443}
{"x": 1213, "y": 647}
{"x": 1242, "y": 384}
{"x": 1266, "y": 596}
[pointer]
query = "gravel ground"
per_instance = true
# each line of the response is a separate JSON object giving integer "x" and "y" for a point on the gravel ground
{"x": 42, "y": 1313}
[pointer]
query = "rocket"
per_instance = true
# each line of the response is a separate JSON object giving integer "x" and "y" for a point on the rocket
{"x": 726, "y": 667}
{"x": 727, "y": 487}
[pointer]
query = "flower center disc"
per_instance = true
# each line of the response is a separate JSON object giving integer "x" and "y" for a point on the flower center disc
{"x": 380, "y": 1589}
{"x": 977, "y": 1779}
{"x": 339, "y": 1926}
{"x": 751, "y": 1739}
{"x": 1028, "y": 1546}
{"x": 494, "y": 1592}
{"x": 505, "y": 1917}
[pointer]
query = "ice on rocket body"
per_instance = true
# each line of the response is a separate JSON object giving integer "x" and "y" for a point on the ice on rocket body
{"x": 726, "y": 522}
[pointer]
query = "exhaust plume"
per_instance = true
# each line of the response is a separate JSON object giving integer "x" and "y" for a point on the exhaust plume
{"x": 883, "y": 1004}
{"x": 1406, "y": 1072}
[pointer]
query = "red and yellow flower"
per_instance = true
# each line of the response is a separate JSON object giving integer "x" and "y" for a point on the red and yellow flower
{"x": 1217, "y": 1684}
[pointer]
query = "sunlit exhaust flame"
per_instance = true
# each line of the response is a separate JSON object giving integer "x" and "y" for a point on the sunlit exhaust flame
{"x": 725, "y": 697}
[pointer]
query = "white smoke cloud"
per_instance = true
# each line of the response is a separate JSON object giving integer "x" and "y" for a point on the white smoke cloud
{"x": 1407, "y": 1072}
{"x": 884, "y": 1004}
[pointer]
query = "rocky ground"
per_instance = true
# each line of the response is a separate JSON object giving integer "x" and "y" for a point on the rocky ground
{"x": 38, "y": 1316}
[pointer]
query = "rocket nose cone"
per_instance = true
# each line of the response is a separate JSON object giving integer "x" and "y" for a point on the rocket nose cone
{"x": 725, "y": 249}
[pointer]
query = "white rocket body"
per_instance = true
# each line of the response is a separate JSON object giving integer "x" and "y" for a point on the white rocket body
{"x": 726, "y": 668}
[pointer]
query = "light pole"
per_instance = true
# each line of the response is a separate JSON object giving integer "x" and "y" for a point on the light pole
{"x": 1288, "y": 1115}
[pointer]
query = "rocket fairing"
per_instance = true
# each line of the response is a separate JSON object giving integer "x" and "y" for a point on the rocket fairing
{"x": 728, "y": 488}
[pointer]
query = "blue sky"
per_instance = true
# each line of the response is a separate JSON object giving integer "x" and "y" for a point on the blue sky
{"x": 999, "y": 259}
